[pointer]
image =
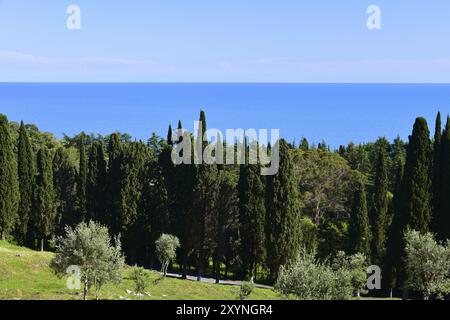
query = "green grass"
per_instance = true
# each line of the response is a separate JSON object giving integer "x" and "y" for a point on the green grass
{"x": 25, "y": 274}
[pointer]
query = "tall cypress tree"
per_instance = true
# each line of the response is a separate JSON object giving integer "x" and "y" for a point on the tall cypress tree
{"x": 379, "y": 210}
{"x": 114, "y": 179}
{"x": 27, "y": 173}
{"x": 395, "y": 236}
{"x": 96, "y": 183}
{"x": 442, "y": 218}
{"x": 9, "y": 184}
{"x": 414, "y": 200}
{"x": 415, "y": 196}
{"x": 132, "y": 172}
{"x": 82, "y": 179}
{"x": 283, "y": 213}
{"x": 252, "y": 217}
{"x": 184, "y": 222}
{"x": 45, "y": 200}
{"x": 359, "y": 233}
{"x": 204, "y": 202}
{"x": 437, "y": 171}
{"x": 64, "y": 183}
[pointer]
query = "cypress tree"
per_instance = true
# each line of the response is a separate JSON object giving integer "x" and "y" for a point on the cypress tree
{"x": 130, "y": 197}
{"x": 442, "y": 218}
{"x": 415, "y": 196}
{"x": 114, "y": 179}
{"x": 184, "y": 227}
{"x": 379, "y": 211}
{"x": 45, "y": 200}
{"x": 64, "y": 183}
{"x": 413, "y": 206}
{"x": 82, "y": 179}
{"x": 169, "y": 136}
{"x": 283, "y": 213}
{"x": 252, "y": 214}
{"x": 437, "y": 171}
{"x": 204, "y": 211}
{"x": 96, "y": 183}
{"x": 9, "y": 184}
{"x": 26, "y": 174}
{"x": 394, "y": 242}
{"x": 359, "y": 233}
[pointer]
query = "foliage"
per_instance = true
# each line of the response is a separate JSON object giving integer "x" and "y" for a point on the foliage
{"x": 245, "y": 290}
{"x": 166, "y": 250}
{"x": 427, "y": 265}
{"x": 140, "y": 279}
{"x": 307, "y": 278}
{"x": 89, "y": 247}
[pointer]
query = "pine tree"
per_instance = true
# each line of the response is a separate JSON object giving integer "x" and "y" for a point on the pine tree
{"x": 359, "y": 233}
{"x": 252, "y": 216}
{"x": 82, "y": 180}
{"x": 45, "y": 200}
{"x": 64, "y": 183}
{"x": 27, "y": 173}
{"x": 9, "y": 184}
{"x": 379, "y": 210}
{"x": 96, "y": 183}
{"x": 283, "y": 213}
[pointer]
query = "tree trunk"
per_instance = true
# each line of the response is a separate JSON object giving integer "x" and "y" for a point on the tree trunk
{"x": 86, "y": 289}
{"x": 218, "y": 270}
{"x": 2, "y": 236}
{"x": 42, "y": 244}
{"x": 184, "y": 267}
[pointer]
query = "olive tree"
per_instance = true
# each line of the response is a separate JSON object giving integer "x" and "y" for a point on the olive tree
{"x": 310, "y": 279}
{"x": 427, "y": 265}
{"x": 356, "y": 265}
{"x": 89, "y": 248}
{"x": 166, "y": 250}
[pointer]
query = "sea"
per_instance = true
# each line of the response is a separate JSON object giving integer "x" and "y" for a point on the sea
{"x": 334, "y": 113}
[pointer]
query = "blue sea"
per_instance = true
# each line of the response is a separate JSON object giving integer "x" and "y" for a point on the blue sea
{"x": 336, "y": 113}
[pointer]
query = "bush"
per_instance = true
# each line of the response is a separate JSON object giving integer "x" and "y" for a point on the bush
{"x": 88, "y": 248}
{"x": 356, "y": 265}
{"x": 166, "y": 250}
{"x": 140, "y": 279}
{"x": 309, "y": 279}
{"x": 427, "y": 265}
{"x": 246, "y": 290}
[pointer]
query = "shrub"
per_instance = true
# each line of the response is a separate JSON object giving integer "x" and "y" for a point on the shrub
{"x": 89, "y": 248}
{"x": 166, "y": 250}
{"x": 427, "y": 265}
{"x": 140, "y": 279}
{"x": 246, "y": 290}
{"x": 309, "y": 279}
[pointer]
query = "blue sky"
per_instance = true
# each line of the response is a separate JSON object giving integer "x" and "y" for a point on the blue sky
{"x": 225, "y": 41}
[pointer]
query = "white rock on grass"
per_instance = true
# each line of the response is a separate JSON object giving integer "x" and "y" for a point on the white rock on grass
{"x": 128, "y": 291}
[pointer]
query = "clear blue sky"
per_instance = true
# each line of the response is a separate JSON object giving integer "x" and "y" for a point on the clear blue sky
{"x": 225, "y": 41}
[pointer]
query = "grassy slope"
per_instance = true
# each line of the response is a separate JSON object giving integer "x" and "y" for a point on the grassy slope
{"x": 24, "y": 274}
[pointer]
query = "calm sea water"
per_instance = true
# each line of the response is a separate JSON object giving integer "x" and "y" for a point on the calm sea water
{"x": 338, "y": 113}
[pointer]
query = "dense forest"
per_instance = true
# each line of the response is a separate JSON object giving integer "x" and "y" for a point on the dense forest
{"x": 231, "y": 220}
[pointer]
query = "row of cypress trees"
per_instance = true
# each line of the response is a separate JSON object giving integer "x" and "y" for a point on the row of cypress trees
{"x": 421, "y": 201}
{"x": 219, "y": 212}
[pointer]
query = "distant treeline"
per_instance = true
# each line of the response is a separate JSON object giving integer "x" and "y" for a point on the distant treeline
{"x": 230, "y": 220}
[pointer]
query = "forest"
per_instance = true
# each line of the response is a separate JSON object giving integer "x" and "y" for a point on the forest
{"x": 232, "y": 222}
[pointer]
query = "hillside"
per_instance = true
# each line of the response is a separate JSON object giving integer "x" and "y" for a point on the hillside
{"x": 25, "y": 274}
